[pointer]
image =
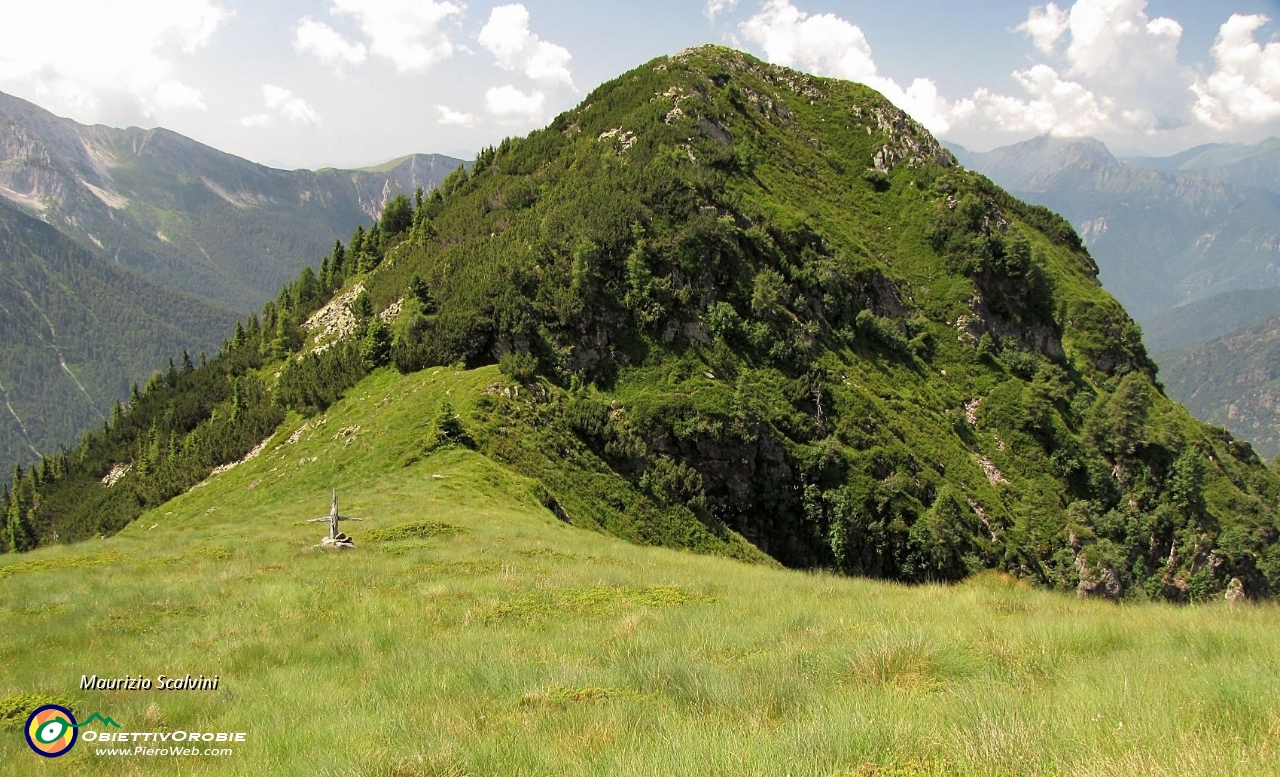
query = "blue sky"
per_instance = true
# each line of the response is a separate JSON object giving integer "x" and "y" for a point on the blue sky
{"x": 307, "y": 83}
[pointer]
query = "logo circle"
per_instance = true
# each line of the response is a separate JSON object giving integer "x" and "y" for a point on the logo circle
{"x": 51, "y": 730}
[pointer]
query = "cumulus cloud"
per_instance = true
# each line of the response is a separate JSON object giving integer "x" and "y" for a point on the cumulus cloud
{"x": 447, "y": 115}
{"x": 1045, "y": 26}
{"x": 821, "y": 43}
{"x": 327, "y": 44}
{"x": 507, "y": 37}
{"x": 826, "y": 44}
{"x": 508, "y": 102}
{"x": 715, "y": 7}
{"x": 1117, "y": 73}
{"x": 280, "y": 103}
{"x": 410, "y": 34}
{"x": 1057, "y": 106}
{"x": 1103, "y": 67}
{"x": 106, "y": 57}
{"x": 1245, "y": 87}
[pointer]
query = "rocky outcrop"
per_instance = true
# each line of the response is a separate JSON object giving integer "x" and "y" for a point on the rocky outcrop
{"x": 1235, "y": 591}
{"x": 1097, "y": 580}
{"x": 339, "y": 541}
{"x": 907, "y": 141}
{"x": 334, "y": 321}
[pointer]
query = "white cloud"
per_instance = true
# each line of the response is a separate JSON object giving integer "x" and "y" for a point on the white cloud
{"x": 716, "y": 7}
{"x": 1045, "y": 25}
{"x": 1117, "y": 74}
{"x": 827, "y": 45}
{"x": 1107, "y": 67}
{"x": 102, "y": 57}
{"x": 408, "y": 33}
{"x": 449, "y": 116}
{"x": 327, "y": 44}
{"x": 508, "y": 102}
{"x": 179, "y": 96}
{"x": 283, "y": 104}
{"x": 1245, "y": 87}
{"x": 507, "y": 37}
{"x": 1130, "y": 59}
{"x": 823, "y": 43}
{"x": 289, "y": 105}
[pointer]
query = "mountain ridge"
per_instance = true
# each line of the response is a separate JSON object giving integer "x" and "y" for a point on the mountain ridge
{"x": 183, "y": 213}
{"x": 1162, "y": 238}
{"x": 736, "y": 309}
{"x": 206, "y": 231}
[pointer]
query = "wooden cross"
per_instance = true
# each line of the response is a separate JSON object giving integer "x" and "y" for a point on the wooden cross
{"x": 333, "y": 517}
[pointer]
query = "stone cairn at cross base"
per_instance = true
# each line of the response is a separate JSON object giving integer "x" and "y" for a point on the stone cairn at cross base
{"x": 336, "y": 539}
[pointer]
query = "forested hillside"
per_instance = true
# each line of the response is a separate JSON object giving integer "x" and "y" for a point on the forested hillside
{"x": 1208, "y": 319}
{"x": 163, "y": 238}
{"x": 733, "y": 301}
{"x": 74, "y": 329}
{"x": 1234, "y": 381}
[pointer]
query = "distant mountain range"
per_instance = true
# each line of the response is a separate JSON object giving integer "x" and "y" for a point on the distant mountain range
{"x": 1191, "y": 245}
{"x": 1239, "y": 165}
{"x": 1165, "y": 232}
{"x": 184, "y": 214}
{"x": 120, "y": 248}
{"x": 1210, "y": 318}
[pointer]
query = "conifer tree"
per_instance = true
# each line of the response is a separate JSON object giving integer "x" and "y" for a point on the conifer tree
{"x": 397, "y": 216}
{"x": 237, "y": 399}
{"x": 142, "y": 461}
{"x": 19, "y": 533}
{"x": 422, "y": 230}
{"x": 357, "y": 241}
{"x": 308, "y": 287}
{"x": 280, "y": 343}
{"x": 18, "y": 514}
{"x": 375, "y": 352}
{"x": 338, "y": 267}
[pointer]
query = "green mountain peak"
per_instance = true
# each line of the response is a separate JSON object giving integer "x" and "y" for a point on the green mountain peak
{"x": 744, "y": 310}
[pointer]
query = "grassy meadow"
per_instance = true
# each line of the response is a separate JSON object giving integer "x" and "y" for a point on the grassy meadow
{"x": 471, "y": 632}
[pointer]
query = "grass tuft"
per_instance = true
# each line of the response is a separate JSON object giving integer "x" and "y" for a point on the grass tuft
{"x": 419, "y": 530}
{"x": 592, "y": 602}
{"x": 59, "y": 562}
{"x": 561, "y": 697}
{"x": 15, "y": 709}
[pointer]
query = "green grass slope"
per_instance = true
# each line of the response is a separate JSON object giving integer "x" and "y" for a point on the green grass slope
{"x": 472, "y": 631}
